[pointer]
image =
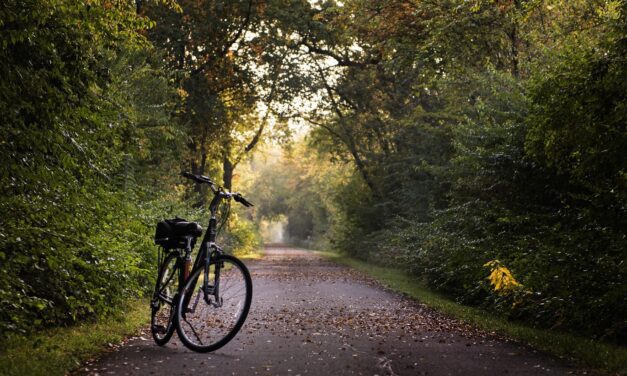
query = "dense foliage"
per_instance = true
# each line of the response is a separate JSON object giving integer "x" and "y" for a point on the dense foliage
{"x": 484, "y": 136}
{"x": 92, "y": 144}
{"x": 461, "y": 139}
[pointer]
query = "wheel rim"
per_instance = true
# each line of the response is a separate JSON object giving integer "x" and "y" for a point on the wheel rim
{"x": 206, "y": 325}
{"x": 162, "y": 301}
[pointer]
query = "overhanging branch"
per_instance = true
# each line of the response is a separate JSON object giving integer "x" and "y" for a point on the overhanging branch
{"x": 341, "y": 61}
{"x": 230, "y": 42}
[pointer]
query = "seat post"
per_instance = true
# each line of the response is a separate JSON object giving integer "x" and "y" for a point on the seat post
{"x": 187, "y": 265}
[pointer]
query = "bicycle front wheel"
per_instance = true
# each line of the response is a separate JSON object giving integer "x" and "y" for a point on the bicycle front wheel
{"x": 205, "y": 322}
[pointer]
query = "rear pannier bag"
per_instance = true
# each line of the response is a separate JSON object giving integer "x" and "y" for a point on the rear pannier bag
{"x": 171, "y": 233}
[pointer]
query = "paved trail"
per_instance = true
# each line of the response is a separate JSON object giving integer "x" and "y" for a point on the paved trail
{"x": 312, "y": 317}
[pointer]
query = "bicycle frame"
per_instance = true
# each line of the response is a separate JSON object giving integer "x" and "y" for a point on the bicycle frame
{"x": 208, "y": 250}
{"x": 178, "y": 265}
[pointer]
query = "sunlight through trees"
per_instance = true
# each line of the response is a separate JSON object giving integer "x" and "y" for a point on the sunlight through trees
{"x": 436, "y": 136}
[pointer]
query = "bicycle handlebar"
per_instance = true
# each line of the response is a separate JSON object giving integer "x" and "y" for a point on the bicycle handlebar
{"x": 198, "y": 178}
{"x": 206, "y": 180}
{"x": 239, "y": 198}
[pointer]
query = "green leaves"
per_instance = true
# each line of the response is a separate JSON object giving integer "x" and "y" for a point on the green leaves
{"x": 79, "y": 91}
{"x": 486, "y": 130}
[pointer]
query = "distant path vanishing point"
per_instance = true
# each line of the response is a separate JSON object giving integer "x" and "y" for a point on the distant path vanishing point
{"x": 313, "y": 317}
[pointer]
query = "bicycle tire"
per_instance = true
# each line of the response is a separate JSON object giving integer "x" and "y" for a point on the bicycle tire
{"x": 211, "y": 319}
{"x": 161, "y": 322}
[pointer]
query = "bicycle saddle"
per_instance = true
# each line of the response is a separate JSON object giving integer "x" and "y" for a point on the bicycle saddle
{"x": 181, "y": 228}
{"x": 174, "y": 229}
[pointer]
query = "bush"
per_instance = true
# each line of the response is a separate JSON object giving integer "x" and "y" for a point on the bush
{"x": 74, "y": 233}
{"x": 241, "y": 236}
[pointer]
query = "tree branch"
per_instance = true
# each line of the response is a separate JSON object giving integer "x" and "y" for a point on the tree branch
{"x": 341, "y": 61}
{"x": 327, "y": 128}
{"x": 229, "y": 43}
{"x": 255, "y": 140}
{"x": 348, "y": 141}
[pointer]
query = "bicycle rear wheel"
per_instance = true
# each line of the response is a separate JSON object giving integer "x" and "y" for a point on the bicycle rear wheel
{"x": 205, "y": 325}
{"x": 163, "y": 300}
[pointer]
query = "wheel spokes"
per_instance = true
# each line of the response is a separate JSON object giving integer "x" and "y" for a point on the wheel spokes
{"x": 208, "y": 323}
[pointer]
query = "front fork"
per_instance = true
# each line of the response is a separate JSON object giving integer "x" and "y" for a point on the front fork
{"x": 209, "y": 290}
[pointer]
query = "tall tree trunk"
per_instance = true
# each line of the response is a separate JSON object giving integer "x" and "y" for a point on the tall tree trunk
{"x": 348, "y": 139}
{"x": 227, "y": 170}
{"x": 230, "y": 163}
{"x": 198, "y": 165}
{"x": 513, "y": 36}
{"x": 359, "y": 163}
{"x": 515, "y": 42}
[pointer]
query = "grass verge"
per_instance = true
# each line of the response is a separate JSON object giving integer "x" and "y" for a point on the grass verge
{"x": 252, "y": 255}
{"x": 589, "y": 353}
{"x": 60, "y": 350}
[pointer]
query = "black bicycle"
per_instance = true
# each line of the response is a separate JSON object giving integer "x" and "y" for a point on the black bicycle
{"x": 206, "y": 303}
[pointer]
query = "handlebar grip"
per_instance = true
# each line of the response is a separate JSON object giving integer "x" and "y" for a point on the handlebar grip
{"x": 239, "y": 198}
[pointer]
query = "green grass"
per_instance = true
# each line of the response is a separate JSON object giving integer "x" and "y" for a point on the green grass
{"x": 60, "y": 350}
{"x": 252, "y": 255}
{"x": 584, "y": 351}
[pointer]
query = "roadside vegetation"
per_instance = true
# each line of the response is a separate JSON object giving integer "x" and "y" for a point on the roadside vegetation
{"x": 480, "y": 146}
{"x": 58, "y": 351}
{"x": 611, "y": 359}
{"x": 477, "y": 145}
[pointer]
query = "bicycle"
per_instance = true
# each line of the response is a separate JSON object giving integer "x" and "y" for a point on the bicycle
{"x": 206, "y": 303}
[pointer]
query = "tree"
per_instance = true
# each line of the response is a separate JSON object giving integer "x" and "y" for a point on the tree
{"x": 481, "y": 131}
{"x": 228, "y": 71}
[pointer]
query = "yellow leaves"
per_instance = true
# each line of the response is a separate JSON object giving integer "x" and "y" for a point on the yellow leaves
{"x": 318, "y": 17}
{"x": 610, "y": 10}
{"x": 182, "y": 93}
{"x": 501, "y": 278}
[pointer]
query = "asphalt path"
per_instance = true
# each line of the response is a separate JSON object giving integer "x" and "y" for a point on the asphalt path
{"x": 313, "y": 317}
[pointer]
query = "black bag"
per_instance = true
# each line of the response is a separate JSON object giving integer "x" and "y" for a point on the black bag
{"x": 172, "y": 233}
